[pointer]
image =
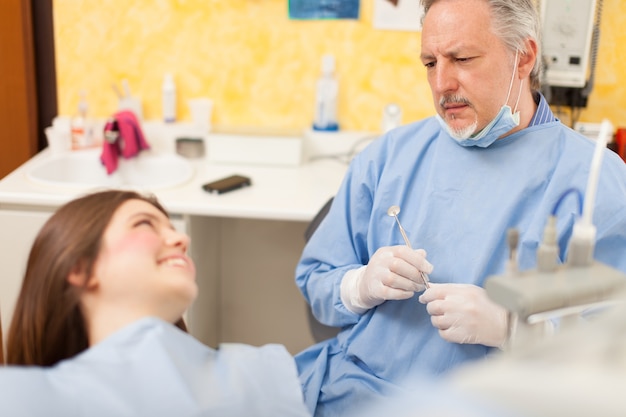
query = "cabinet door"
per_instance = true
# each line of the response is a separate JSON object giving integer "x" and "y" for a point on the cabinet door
{"x": 259, "y": 300}
{"x": 18, "y": 229}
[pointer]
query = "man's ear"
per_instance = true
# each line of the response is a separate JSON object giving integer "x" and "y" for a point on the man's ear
{"x": 528, "y": 58}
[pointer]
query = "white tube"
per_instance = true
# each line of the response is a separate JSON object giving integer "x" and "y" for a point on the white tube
{"x": 594, "y": 173}
{"x": 582, "y": 243}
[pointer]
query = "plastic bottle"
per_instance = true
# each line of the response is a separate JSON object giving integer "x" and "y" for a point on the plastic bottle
{"x": 79, "y": 127}
{"x": 169, "y": 99}
{"x": 327, "y": 89}
{"x": 392, "y": 117}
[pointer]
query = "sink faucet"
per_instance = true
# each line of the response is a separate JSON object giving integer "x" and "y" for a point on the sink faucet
{"x": 122, "y": 136}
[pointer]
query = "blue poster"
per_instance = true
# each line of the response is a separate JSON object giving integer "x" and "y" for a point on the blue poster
{"x": 323, "y": 9}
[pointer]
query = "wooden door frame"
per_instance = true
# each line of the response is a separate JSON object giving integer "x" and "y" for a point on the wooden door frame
{"x": 27, "y": 79}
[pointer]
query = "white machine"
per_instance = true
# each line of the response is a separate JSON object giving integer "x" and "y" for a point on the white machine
{"x": 570, "y": 35}
{"x": 553, "y": 293}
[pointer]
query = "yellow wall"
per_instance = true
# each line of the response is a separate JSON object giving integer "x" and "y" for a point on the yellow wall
{"x": 260, "y": 68}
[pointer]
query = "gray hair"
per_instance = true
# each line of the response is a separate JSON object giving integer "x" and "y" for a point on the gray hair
{"x": 513, "y": 21}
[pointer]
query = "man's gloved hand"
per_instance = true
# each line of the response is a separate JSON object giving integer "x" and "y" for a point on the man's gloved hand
{"x": 393, "y": 273}
{"x": 464, "y": 313}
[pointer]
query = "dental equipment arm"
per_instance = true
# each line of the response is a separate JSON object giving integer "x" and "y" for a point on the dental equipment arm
{"x": 534, "y": 297}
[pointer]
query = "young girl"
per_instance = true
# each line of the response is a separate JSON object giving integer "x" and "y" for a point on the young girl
{"x": 100, "y": 314}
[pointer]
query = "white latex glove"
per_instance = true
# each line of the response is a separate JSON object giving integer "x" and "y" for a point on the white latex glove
{"x": 464, "y": 313}
{"x": 393, "y": 273}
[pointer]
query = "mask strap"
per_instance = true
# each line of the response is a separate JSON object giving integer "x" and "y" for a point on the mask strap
{"x": 508, "y": 95}
{"x": 518, "y": 95}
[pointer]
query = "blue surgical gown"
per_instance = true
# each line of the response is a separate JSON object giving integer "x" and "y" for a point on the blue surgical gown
{"x": 457, "y": 203}
{"x": 152, "y": 368}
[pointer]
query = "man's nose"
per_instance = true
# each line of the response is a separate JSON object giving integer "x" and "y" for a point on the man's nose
{"x": 444, "y": 78}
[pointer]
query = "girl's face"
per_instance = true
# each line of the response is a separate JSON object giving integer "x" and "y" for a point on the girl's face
{"x": 142, "y": 267}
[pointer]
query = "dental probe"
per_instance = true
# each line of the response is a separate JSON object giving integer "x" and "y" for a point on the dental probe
{"x": 393, "y": 212}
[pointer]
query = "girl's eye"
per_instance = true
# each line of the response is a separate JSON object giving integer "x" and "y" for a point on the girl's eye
{"x": 144, "y": 222}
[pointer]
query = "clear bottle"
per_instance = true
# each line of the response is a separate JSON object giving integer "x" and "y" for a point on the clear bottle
{"x": 79, "y": 127}
{"x": 169, "y": 99}
{"x": 392, "y": 117}
{"x": 327, "y": 89}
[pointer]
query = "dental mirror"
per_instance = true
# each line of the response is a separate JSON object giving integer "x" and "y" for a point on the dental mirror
{"x": 393, "y": 212}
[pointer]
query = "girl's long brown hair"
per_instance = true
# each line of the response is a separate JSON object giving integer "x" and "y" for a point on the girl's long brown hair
{"x": 48, "y": 325}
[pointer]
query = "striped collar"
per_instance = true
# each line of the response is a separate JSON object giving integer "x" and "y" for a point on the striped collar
{"x": 544, "y": 113}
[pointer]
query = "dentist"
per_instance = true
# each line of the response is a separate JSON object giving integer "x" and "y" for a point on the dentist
{"x": 494, "y": 157}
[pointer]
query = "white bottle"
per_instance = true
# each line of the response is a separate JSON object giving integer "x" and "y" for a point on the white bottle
{"x": 326, "y": 92}
{"x": 392, "y": 117}
{"x": 169, "y": 99}
{"x": 81, "y": 135}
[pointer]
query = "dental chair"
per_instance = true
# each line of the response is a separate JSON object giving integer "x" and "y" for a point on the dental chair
{"x": 319, "y": 331}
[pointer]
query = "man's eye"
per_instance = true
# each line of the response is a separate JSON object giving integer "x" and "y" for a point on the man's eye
{"x": 429, "y": 64}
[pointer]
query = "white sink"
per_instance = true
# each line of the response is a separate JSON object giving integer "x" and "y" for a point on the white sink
{"x": 80, "y": 169}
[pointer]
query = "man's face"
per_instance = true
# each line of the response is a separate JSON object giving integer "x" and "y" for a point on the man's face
{"x": 469, "y": 68}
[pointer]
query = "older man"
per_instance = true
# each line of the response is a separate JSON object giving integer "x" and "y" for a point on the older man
{"x": 493, "y": 158}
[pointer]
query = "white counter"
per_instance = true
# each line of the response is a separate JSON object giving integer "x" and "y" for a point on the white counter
{"x": 246, "y": 243}
{"x": 277, "y": 193}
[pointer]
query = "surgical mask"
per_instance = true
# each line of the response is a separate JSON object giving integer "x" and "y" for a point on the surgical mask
{"x": 504, "y": 121}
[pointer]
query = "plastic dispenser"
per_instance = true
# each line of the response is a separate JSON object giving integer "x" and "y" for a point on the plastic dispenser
{"x": 80, "y": 130}
{"x": 326, "y": 97}
{"x": 169, "y": 99}
{"x": 392, "y": 117}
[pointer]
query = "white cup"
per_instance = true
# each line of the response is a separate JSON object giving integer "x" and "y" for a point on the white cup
{"x": 59, "y": 140}
{"x": 201, "y": 111}
{"x": 133, "y": 104}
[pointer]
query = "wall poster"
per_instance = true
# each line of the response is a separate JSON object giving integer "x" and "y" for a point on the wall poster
{"x": 323, "y": 9}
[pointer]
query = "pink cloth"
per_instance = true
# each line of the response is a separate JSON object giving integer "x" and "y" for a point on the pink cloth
{"x": 130, "y": 139}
